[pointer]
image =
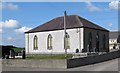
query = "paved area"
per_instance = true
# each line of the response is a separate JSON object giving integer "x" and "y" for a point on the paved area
{"x": 111, "y": 65}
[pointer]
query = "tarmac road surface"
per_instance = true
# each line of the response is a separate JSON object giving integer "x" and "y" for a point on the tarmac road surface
{"x": 111, "y": 65}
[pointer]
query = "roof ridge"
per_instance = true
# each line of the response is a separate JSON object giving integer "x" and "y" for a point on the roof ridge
{"x": 79, "y": 20}
{"x": 67, "y": 15}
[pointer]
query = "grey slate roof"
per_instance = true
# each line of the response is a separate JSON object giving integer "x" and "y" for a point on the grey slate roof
{"x": 72, "y": 21}
{"x": 113, "y": 35}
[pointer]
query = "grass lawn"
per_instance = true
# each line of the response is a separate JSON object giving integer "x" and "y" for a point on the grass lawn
{"x": 17, "y": 49}
{"x": 61, "y": 56}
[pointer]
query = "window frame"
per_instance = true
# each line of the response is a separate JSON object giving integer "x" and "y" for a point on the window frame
{"x": 49, "y": 42}
{"x": 35, "y": 43}
{"x": 67, "y": 41}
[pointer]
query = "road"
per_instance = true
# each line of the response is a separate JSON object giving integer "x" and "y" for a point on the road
{"x": 111, "y": 65}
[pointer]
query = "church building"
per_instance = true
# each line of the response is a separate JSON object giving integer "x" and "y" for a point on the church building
{"x": 70, "y": 33}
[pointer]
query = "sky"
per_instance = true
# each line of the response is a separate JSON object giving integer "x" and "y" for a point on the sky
{"x": 19, "y": 17}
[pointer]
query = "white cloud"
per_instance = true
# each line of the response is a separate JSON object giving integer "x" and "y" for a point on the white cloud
{"x": 1, "y": 30}
{"x": 10, "y": 24}
{"x": 22, "y": 29}
{"x": 114, "y": 5}
{"x": 91, "y": 7}
{"x": 10, "y": 38}
{"x": 110, "y": 25}
{"x": 10, "y": 6}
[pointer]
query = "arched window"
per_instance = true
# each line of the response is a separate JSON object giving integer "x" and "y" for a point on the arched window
{"x": 97, "y": 42}
{"x": 35, "y": 43}
{"x": 104, "y": 41}
{"x": 49, "y": 42}
{"x": 89, "y": 46}
{"x": 67, "y": 41}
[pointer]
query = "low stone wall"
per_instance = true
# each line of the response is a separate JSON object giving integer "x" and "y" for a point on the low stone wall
{"x": 92, "y": 59}
{"x": 44, "y": 63}
{"x": 61, "y": 63}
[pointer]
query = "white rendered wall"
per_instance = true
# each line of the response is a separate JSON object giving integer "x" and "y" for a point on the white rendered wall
{"x": 112, "y": 42}
{"x": 82, "y": 38}
{"x": 57, "y": 41}
{"x": 27, "y": 42}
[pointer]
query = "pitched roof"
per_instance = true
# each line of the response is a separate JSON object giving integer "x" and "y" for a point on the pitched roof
{"x": 113, "y": 35}
{"x": 72, "y": 21}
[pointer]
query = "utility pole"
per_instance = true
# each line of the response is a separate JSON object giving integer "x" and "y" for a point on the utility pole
{"x": 65, "y": 34}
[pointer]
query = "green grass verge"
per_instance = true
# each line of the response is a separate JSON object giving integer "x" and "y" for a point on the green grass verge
{"x": 18, "y": 49}
{"x": 62, "y": 56}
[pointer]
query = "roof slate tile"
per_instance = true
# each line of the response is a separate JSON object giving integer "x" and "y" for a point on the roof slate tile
{"x": 72, "y": 21}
